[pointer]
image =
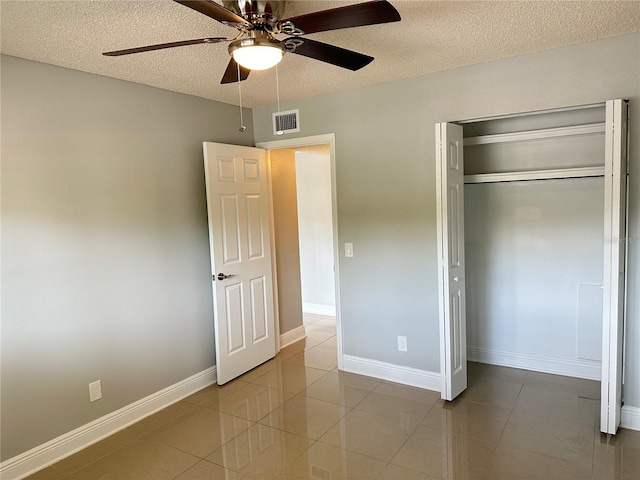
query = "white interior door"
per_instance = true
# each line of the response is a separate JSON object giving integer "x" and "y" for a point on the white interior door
{"x": 240, "y": 242}
{"x": 615, "y": 192}
{"x": 450, "y": 231}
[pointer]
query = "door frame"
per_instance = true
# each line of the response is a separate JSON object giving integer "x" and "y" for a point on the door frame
{"x": 616, "y": 220}
{"x": 616, "y": 173}
{"x": 326, "y": 139}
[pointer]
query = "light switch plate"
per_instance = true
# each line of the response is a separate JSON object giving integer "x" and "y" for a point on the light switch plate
{"x": 348, "y": 249}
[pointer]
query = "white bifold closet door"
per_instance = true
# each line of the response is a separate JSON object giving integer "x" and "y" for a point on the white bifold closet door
{"x": 451, "y": 279}
{"x": 450, "y": 216}
{"x": 615, "y": 243}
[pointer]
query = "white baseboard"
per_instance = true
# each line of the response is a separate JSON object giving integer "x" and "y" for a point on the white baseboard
{"x": 292, "y": 336}
{"x": 392, "y": 373}
{"x": 630, "y": 418}
{"x": 590, "y": 370}
{"x": 69, "y": 443}
{"x": 319, "y": 309}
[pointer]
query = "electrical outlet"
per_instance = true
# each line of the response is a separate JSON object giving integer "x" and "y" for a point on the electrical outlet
{"x": 402, "y": 343}
{"x": 95, "y": 391}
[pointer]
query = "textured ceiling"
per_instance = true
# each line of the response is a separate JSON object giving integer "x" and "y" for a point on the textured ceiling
{"x": 432, "y": 36}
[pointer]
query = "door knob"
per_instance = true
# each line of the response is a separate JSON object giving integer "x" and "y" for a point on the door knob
{"x": 222, "y": 276}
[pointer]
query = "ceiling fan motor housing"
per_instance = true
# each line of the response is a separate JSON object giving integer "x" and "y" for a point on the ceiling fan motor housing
{"x": 255, "y": 38}
{"x": 257, "y": 11}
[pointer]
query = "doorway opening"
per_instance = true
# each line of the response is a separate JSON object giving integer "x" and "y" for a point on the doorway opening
{"x": 302, "y": 173}
{"x": 315, "y": 235}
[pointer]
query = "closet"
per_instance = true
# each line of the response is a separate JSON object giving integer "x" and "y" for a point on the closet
{"x": 531, "y": 222}
{"x": 534, "y": 224}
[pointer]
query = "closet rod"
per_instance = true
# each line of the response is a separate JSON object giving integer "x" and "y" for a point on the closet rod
{"x": 556, "y": 173}
{"x": 590, "y": 129}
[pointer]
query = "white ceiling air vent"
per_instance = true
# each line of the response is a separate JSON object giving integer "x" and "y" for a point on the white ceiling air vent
{"x": 286, "y": 122}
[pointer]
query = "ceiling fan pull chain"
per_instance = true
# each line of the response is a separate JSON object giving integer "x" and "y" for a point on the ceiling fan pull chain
{"x": 277, "y": 89}
{"x": 279, "y": 132}
{"x": 242, "y": 127}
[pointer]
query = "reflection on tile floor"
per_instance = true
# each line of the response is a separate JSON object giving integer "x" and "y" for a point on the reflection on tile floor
{"x": 298, "y": 417}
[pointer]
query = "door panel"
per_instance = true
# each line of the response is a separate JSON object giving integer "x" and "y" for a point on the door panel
{"x": 455, "y": 328}
{"x": 453, "y": 222}
{"x": 255, "y": 229}
{"x": 239, "y": 237}
{"x": 258, "y": 309}
{"x": 450, "y": 232}
{"x": 226, "y": 169}
{"x": 234, "y": 321}
{"x": 615, "y": 202}
{"x": 251, "y": 170}
{"x": 229, "y": 223}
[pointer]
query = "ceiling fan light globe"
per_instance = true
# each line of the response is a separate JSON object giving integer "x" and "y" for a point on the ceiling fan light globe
{"x": 258, "y": 57}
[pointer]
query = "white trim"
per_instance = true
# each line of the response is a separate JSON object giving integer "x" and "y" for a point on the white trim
{"x": 330, "y": 139}
{"x": 534, "y": 112}
{"x": 393, "y": 373}
{"x": 319, "y": 309}
{"x": 573, "y": 131}
{"x": 577, "y": 172}
{"x": 614, "y": 291}
{"x": 274, "y": 266}
{"x": 292, "y": 336}
{"x": 336, "y": 253}
{"x": 71, "y": 442}
{"x": 630, "y": 418}
{"x": 297, "y": 142}
{"x": 589, "y": 369}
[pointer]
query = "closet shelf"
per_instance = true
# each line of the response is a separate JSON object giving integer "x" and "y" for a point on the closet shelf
{"x": 556, "y": 173}
{"x": 590, "y": 129}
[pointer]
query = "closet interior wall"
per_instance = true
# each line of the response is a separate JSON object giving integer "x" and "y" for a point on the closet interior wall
{"x": 534, "y": 230}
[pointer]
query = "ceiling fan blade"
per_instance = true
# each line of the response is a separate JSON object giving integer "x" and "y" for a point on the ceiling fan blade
{"x": 231, "y": 73}
{"x": 213, "y": 10}
{"x": 160, "y": 46}
{"x": 358, "y": 15}
{"x": 327, "y": 53}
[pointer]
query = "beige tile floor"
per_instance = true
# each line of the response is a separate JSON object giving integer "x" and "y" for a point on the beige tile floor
{"x": 298, "y": 417}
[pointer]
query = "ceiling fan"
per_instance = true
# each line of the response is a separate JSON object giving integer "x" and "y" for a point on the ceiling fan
{"x": 255, "y": 47}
